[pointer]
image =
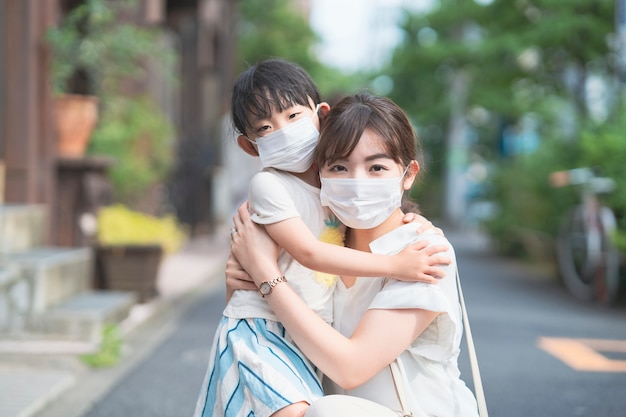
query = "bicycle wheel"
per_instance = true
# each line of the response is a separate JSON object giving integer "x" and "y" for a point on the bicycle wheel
{"x": 575, "y": 248}
{"x": 607, "y": 277}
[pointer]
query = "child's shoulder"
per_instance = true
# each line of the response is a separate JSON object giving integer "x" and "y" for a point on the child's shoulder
{"x": 269, "y": 177}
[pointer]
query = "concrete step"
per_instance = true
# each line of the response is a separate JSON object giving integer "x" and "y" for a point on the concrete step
{"x": 82, "y": 318}
{"x": 22, "y": 227}
{"x": 53, "y": 274}
{"x": 34, "y": 281}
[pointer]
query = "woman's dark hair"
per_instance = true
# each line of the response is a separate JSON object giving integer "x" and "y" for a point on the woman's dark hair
{"x": 270, "y": 85}
{"x": 348, "y": 119}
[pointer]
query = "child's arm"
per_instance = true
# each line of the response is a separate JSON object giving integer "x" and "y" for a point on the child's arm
{"x": 381, "y": 335}
{"x": 417, "y": 262}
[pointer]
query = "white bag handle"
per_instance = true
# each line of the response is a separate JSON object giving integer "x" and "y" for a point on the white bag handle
{"x": 478, "y": 384}
{"x": 397, "y": 382}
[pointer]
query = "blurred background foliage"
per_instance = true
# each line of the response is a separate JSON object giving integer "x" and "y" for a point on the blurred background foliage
{"x": 275, "y": 28}
{"x": 505, "y": 69}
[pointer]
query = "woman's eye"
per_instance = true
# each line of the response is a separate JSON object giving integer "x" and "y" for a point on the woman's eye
{"x": 378, "y": 168}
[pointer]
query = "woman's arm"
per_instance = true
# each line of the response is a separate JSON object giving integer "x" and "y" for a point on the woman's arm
{"x": 379, "y": 338}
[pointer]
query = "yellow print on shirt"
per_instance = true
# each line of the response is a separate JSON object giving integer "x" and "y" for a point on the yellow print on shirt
{"x": 333, "y": 233}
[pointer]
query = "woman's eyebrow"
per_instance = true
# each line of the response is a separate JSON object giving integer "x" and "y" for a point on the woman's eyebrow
{"x": 378, "y": 156}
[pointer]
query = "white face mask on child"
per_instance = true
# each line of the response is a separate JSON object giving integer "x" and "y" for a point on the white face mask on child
{"x": 362, "y": 203}
{"x": 291, "y": 148}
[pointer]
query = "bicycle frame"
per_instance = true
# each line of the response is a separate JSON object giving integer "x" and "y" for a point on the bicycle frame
{"x": 588, "y": 261}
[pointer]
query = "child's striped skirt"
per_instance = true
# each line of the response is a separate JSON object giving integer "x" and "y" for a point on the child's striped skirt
{"x": 254, "y": 370}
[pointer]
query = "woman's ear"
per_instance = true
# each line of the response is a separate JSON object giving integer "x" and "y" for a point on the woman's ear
{"x": 411, "y": 173}
{"x": 247, "y": 146}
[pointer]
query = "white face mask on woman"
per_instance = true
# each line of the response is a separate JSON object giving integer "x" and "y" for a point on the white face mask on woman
{"x": 362, "y": 203}
{"x": 291, "y": 148}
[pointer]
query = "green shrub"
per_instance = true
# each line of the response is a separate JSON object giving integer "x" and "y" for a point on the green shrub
{"x": 139, "y": 137}
{"x": 526, "y": 200}
{"x": 110, "y": 349}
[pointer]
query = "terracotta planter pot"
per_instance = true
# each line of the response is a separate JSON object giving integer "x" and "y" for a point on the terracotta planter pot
{"x": 76, "y": 118}
{"x": 128, "y": 268}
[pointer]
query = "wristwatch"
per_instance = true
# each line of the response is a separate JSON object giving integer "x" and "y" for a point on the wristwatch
{"x": 266, "y": 287}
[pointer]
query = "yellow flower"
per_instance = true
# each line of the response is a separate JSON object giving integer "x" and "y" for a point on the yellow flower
{"x": 333, "y": 233}
{"x": 119, "y": 225}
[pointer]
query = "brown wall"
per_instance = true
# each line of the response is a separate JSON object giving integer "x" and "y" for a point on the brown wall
{"x": 27, "y": 137}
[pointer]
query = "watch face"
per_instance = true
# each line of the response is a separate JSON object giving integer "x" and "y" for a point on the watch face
{"x": 265, "y": 288}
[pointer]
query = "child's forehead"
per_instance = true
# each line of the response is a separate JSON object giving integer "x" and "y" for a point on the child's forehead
{"x": 273, "y": 109}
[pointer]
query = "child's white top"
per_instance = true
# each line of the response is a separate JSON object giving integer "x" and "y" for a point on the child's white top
{"x": 430, "y": 362}
{"x": 275, "y": 196}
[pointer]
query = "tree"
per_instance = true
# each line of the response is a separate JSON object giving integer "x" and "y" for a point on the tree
{"x": 276, "y": 28}
{"x": 513, "y": 57}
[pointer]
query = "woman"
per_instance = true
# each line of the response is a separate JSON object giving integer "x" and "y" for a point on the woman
{"x": 367, "y": 157}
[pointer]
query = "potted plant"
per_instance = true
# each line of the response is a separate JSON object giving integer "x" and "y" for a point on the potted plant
{"x": 138, "y": 136}
{"x": 130, "y": 247}
{"x": 95, "y": 54}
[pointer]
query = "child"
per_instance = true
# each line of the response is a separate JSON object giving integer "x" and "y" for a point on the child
{"x": 394, "y": 345}
{"x": 255, "y": 369}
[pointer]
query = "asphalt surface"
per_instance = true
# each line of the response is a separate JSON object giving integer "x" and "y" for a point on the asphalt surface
{"x": 523, "y": 322}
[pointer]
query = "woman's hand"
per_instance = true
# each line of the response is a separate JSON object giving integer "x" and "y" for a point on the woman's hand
{"x": 252, "y": 247}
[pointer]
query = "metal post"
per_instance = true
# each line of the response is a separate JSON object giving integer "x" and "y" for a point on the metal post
{"x": 620, "y": 33}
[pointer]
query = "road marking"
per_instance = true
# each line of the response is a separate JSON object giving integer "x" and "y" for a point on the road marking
{"x": 584, "y": 354}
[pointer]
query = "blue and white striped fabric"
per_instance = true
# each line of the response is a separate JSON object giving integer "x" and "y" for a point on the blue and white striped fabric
{"x": 254, "y": 371}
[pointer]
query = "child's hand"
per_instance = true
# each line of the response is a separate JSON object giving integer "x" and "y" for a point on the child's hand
{"x": 236, "y": 277}
{"x": 421, "y": 261}
{"x": 422, "y": 222}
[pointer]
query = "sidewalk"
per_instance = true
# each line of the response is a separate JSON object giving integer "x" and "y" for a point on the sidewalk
{"x": 35, "y": 378}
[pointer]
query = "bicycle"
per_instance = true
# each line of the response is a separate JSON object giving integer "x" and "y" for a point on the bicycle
{"x": 588, "y": 260}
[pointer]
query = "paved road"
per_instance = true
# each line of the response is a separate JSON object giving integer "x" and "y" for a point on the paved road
{"x": 524, "y": 326}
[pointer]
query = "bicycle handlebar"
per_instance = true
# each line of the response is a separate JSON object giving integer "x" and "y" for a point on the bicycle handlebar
{"x": 582, "y": 176}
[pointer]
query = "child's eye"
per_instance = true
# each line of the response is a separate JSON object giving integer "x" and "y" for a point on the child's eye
{"x": 263, "y": 129}
{"x": 293, "y": 116}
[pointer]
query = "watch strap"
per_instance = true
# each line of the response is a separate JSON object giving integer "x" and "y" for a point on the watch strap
{"x": 271, "y": 284}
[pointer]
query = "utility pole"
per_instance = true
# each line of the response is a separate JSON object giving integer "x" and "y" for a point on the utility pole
{"x": 620, "y": 33}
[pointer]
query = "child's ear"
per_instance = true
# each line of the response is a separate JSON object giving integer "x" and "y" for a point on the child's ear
{"x": 323, "y": 110}
{"x": 247, "y": 146}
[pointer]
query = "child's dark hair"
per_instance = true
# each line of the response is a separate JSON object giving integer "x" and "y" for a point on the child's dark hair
{"x": 270, "y": 85}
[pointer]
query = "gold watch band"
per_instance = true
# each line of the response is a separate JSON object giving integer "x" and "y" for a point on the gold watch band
{"x": 266, "y": 287}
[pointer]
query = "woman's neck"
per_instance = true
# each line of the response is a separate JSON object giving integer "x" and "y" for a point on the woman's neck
{"x": 360, "y": 239}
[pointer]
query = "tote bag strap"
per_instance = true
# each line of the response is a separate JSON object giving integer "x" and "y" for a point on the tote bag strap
{"x": 398, "y": 383}
{"x": 478, "y": 384}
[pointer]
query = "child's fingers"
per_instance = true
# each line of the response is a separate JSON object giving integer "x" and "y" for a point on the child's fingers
{"x": 437, "y": 273}
{"x": 420, "y": 245}
{"x": 434, "y": 249}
